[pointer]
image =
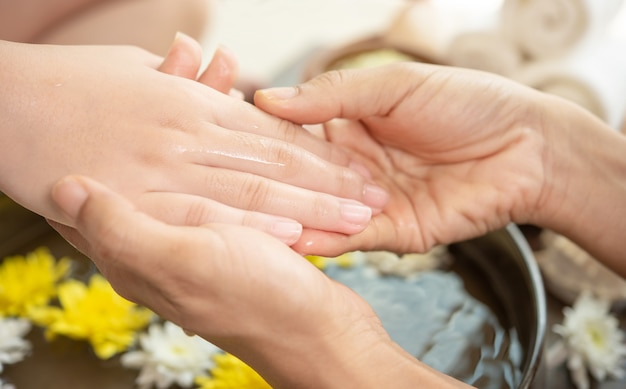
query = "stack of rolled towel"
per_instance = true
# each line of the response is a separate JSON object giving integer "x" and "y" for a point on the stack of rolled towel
{"x": 561, "y": 47}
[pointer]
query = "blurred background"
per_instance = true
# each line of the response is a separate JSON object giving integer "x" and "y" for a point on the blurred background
{"x": 574, "y": 49}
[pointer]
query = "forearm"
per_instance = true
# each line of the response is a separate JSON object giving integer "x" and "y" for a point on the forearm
{"x": 361, "y": 357}
{"x": 149, "y": 24}
{"x": 586, "y": 184}
{"x": 13, "y": 98}
{"x": 23, "y": 20}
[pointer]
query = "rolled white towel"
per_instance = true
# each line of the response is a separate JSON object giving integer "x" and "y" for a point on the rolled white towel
{"x": 593, "y": 76}
{"x": 548, "y": 28}
{"x": 428, "y": 28}
{"x": 486, "y": 50}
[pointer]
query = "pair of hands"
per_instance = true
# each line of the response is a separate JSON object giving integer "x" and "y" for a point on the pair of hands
{"x": 459, "y": 153}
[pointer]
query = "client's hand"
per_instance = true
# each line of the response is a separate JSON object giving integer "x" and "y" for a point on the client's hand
{"x": 179, "y": 150}
{"x": 460, "y": 152}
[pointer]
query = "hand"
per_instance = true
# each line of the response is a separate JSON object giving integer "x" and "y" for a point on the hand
{"x": 242, "y": 290}
{"x": 173, "y": 146}
{"x": 460, "y": 152}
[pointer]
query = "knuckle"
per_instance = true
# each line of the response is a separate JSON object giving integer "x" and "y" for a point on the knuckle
{"x": 321, "y": 209}
{"x": 287, "y": 131}
{"x": 286, "y": 157}
{"x": 343, "y": 181}
{"x": 330, "y": 78}
{"x": 254, "y": 193}
{"x": 199, "y": 211}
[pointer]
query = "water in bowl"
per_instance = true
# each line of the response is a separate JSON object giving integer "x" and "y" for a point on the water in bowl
{"x": 448, "y": 319}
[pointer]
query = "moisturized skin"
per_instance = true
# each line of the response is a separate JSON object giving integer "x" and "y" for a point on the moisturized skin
{"x": 115, "y": 114}
{"x": 179, "y": 149}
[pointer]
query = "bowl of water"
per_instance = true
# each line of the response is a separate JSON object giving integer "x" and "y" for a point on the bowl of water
{"x": 479, "y": 315}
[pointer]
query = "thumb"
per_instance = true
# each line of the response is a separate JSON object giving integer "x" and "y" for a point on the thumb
{"x": 346, "y": 93}
{"x": 110, "y": 226}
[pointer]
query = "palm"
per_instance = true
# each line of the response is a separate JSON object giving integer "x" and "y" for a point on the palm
{"x": 447, "y": 166}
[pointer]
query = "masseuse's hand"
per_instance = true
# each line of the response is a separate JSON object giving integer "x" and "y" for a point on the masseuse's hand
{"x": 460, "y": 152}
{"x": 242, "y": 290}
{"x": 180, "y": 150}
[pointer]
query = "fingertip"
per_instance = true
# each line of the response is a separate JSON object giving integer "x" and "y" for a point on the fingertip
{"x": 375, "y": 197}
{"x": 228, "y": 55}
{"x": 183, "y": 58}
{"x": 324, "y": 243}
{"x": 277, "y": 94}
{"x": 222, "y": 71}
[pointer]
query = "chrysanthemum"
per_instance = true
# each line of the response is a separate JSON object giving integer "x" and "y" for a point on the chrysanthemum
{"x": 95, "y": 313}
{"x": 168, "y": 356}
{"x": 344, "y": 260}
{"x": 230, "y": 372}
{"x": 593, "y": 340}
{"x": 13, "y": 346}
{"x": 30, "y": 281}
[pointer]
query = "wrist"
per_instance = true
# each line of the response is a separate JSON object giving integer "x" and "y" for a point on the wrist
{"x": 585, "y": 184}
{"x": 347, "y": 348}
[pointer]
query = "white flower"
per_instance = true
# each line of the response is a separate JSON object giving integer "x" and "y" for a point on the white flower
{"x": 168, "y": 356}
{"x": 13, "y": 348}
{"x": 5, "y": 385}
{"x": 593, "y": 340}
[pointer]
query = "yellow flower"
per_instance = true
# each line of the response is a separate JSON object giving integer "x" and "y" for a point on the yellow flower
{"x": 29, "y": 282}
{"x": 344, "y": 260}
{"x": 229, "y": 373}
{"x": 95, "y": 313}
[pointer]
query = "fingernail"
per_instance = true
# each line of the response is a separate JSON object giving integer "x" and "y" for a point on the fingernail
{"x": 355, "y": 213}
{"x": 286, "y": 230}
{"x": 181, "y": 36}
{"x": 375, "y": 196}
{"x": 282, "y": 93}
{"x": 69, "y": 195}
{"x": 360, "y": 169}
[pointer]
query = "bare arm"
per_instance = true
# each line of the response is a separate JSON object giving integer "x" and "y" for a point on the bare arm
{"x": 150, "y": 24}
{"x": 585, "y": 191}
{"x": 24, "y": 20}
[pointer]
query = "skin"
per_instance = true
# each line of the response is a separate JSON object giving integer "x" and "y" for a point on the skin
{"x": 182, "y": 160}
{"x": 149, "y": 24}
{"x": 463, "y": 153}
{"x": 433, "y": 133}
{"x": 446, "y": 144}
{"x": 171, "y": 151}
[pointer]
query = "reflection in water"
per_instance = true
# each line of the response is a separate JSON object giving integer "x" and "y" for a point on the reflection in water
{"x": 434, "y": 317}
